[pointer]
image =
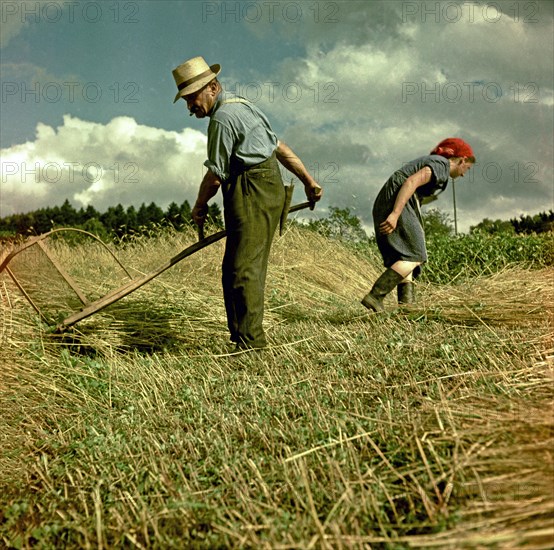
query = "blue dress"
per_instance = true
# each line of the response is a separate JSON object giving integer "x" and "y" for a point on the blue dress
{"x": 407, "y": 241}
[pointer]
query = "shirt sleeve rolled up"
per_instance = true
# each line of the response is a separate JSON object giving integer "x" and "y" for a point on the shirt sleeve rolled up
{"x": 220, "y": 150}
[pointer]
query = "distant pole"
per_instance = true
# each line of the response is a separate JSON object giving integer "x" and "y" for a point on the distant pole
{"x": 455, "y": 214}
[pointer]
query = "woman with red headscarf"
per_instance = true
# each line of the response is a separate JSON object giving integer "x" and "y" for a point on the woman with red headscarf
{"x": 397, "y": 216}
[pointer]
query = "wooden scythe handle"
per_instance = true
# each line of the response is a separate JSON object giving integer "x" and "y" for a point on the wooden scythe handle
{"x": 133, "y": 285}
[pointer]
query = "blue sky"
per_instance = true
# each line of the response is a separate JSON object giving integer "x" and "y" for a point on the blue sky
{"x": 355, "y": 88}
{"x": 127, "y": 51}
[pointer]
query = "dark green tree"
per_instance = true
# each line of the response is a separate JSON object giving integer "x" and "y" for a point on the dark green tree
{"x": 88, "y": 214}
{"x": 96, "y": 227}
{"x": 155, "y": 214}
{"x": 115, "y": 219}
{"x": 41, "y": 222}
{"x": 173, "y": 215}
{"x": 186, "y": 212}
{"x": 437, "y": 223}
{"x": 340, "y": 224}
{"x": 538, "y": 223}
{"x": 492, "y": 227}
{"x": 142, "y": 216}
{"x": 66, "y": 215}
{"x": 132, "y": 219}
{"x": 23, "y": 224}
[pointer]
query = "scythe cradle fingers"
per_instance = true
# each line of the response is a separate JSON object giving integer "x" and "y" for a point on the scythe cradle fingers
{"x": 125, "y": 290}
{"x": 134, "y": 284}
{"x": 40, "y": 241}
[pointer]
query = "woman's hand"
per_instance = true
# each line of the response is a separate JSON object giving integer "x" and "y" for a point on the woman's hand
{"x": 389, "y": 225}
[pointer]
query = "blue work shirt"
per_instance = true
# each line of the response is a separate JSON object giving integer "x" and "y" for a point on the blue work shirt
{"x": 239, "y": 136}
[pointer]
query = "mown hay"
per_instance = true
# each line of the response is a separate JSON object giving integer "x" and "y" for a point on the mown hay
{"x": 427, "y": 428}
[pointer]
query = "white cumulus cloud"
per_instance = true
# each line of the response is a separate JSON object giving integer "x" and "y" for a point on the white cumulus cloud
{"x": 102, "y": 165}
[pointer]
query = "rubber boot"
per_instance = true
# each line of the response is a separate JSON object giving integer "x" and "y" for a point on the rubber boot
{"x": 405, "y": 293}
{"x": 384, "y": 284}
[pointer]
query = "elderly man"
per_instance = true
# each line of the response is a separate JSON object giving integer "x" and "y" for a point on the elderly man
{"x": 242, "y": 159}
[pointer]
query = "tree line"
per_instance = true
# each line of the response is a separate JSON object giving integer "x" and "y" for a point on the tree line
{"x": 539, "y": 223}
{"x": 116, "y": 221}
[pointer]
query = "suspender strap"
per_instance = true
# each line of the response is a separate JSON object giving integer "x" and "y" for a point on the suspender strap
{"x": 235, "y": 100}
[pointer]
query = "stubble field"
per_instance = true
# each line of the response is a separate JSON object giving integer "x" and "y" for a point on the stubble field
{"x": 140, "y": 428}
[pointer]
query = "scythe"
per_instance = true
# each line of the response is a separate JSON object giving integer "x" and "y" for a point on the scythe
{"x": 90, "y": 308}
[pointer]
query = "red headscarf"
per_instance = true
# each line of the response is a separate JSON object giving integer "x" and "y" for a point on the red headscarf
{"x": 453, "y": 147}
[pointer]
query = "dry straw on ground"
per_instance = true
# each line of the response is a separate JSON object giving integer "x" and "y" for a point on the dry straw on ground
{"x": 424, "y": 428}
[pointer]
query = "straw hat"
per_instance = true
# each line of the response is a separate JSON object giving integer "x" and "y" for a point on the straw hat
{"x": 193, "y": 75}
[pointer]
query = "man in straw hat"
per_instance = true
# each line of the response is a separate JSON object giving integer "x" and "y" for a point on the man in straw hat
{"x": 242, "y": 159}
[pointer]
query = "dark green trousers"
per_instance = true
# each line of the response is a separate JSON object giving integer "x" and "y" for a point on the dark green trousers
{"x": 253, "y": 202}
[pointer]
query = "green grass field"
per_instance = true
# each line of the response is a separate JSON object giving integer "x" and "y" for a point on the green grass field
{"x": 139, "y": 428}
